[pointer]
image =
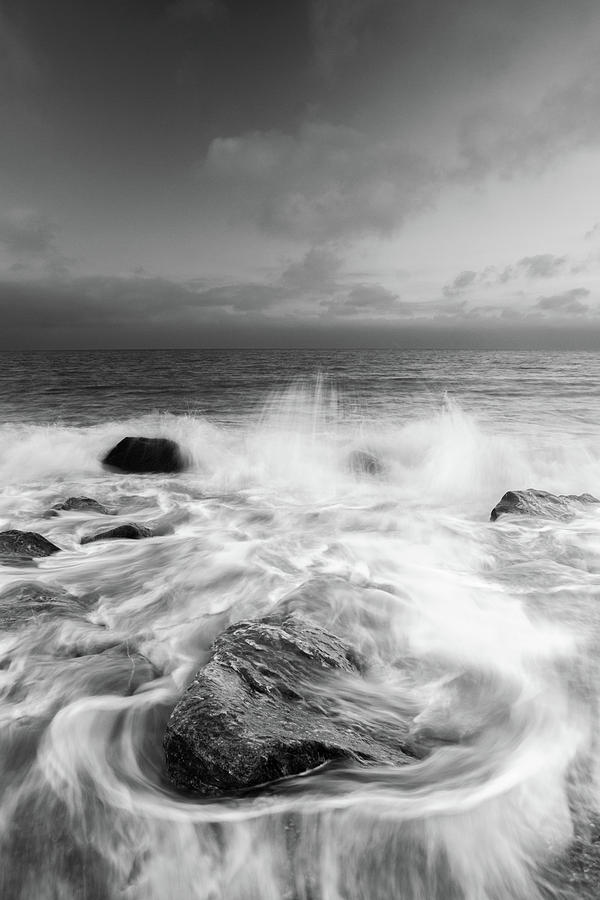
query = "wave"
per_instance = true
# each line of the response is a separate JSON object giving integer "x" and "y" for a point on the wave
{"x": 485, "y": 636}
{"x": 302, "y": 441}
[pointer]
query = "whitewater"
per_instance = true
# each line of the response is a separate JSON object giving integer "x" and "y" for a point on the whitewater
{"x": 486, "y": 635}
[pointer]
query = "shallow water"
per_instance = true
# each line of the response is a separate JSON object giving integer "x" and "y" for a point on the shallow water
{"x": 482, "y": 636}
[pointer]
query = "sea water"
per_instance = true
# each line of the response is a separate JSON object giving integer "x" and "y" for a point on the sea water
{"x": 486, "y": 635}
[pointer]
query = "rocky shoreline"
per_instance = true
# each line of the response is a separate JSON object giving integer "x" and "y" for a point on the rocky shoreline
{"x": 260, "y": 709}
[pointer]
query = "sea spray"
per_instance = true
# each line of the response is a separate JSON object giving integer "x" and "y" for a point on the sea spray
{"x": 483, "y": 635}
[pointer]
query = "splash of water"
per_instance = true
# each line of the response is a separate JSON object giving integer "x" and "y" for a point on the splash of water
{"x": 487, "y": 635}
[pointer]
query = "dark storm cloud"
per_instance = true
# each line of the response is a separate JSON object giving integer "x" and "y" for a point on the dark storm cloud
{"x": 144, "y": 126}
{"x": 107, "y": 304}
{"x": 327, "y": 180}
{"x": 330, "y": 181}
{"x": 143, "y": 311}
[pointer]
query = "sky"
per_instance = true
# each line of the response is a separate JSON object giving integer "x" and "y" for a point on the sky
{"x": 300, "y": 173}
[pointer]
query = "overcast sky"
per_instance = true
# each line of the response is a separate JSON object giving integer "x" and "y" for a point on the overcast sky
{"x": 191, "y": 173}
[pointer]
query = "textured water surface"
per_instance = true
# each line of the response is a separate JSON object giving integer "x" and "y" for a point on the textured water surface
{"x": 486, "y": 633}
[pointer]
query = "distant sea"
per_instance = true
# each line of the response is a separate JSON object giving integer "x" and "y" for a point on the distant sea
{"x": 489, "y": 630}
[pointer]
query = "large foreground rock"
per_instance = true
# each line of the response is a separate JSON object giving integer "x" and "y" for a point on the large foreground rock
{"x": 262, "y": 709}
{"x": 541, "y": 503}
{"x": 22, "y": 545}
{"x": 144, "y": 454}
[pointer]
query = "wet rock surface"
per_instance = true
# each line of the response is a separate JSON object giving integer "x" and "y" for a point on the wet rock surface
{"x": 144, "y": 454}
{"x": 24, "y": 545}
{"x": 541, "y": 503}
{"x": 361, "y": 462}
{"x": 261, "y": 710}
{"x": 80, "y": 504}
{"x": 131, "y": 531}
{"x": 23, "y": 603}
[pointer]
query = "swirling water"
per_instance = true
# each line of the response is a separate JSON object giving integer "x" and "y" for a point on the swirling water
{"x": 487, "y": 634}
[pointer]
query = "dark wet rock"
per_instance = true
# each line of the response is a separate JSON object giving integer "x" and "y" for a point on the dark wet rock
{"x": 132, "y": 531}
{"x": 19, "y": 545}
{"x": 541, "y": 503}
{"x": 144, "y": 454}
{"x": 23, "y": 603}
{"x": 361, "y": 462}
{"x": 263, "y": 708}
{"x": 80, "y": 504}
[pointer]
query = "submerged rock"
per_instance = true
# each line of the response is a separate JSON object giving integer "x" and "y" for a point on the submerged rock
{"x": 144, "y": 454}
{"x": 80, "y": 504}
{"x": 541, "y": 503}
{"x": 132, "y": 531}
{"x": 19, "y": 545}
{"x": 262, "y": 709}
{"x": 361, "y": 462}
{"x": 23, "y": 603}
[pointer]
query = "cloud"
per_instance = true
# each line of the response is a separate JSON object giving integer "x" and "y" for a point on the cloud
{"x": 109, "y": 303}
{"x": 324, "y": 182}
{"x": 370, "y": 300}
{"x": 594, "y": 232}
{"x": 568, "y": 303}
{"x": 544, "y": 265}
{"x": 461, "y": 283}
{"x": 26, "y": 232}
{"x": 248, "y": 297}
{"x": 143, "y": 310}
{"x": 315, "y": 272}
{"x": 318, "y": 276}
{"x": 130, "y": 312}
{"x": 502, "y": 140}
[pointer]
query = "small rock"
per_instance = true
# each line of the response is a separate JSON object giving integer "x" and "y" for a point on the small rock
{"x": 19, "y": 545}
{"x": 23, "y": 603}
{"x": 80, "y": 504}
{"x": 144, "y": 454}
{"x": 361, "y": 462}
{"x": 132, "y": 531}
{"x": 541, "y": 503}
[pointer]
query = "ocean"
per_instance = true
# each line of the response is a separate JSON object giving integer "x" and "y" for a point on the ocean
{"x": 483, "y": 635}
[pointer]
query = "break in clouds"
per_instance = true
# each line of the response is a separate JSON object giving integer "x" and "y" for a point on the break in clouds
{"x": 322, "y": 172}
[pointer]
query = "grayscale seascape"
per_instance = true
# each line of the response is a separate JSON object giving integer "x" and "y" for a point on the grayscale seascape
{"x": 479, "y": 640}
{"x": 299, "y": 450}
